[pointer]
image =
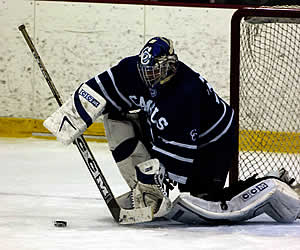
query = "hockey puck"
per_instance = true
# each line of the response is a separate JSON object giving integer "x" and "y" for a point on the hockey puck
{"x": 60, "y": 223}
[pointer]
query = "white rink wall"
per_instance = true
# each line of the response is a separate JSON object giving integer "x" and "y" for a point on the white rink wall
{"x": 76, "y": 41}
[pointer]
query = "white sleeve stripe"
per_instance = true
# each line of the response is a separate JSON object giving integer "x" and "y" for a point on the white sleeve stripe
{"x": 182, "y": 145}
{"x": 226, "y": 129}
{"x": 120, "y": 94}
{"x": 106, "y": 95}
{"x": 223, "y": 132}
{"x": 177, "y": 157}
{"x": 216, "y": 124}
{"x": 177, "y": 178}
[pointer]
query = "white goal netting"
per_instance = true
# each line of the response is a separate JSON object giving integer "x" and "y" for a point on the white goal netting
{"x": 269, "y": 95}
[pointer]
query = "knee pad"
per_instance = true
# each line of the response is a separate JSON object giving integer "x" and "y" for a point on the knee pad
{"x": 126, "y": 148}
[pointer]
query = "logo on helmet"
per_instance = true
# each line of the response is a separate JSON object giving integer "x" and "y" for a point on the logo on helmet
{"x": 146, "y": 56}
{"x": 157, "y": 62}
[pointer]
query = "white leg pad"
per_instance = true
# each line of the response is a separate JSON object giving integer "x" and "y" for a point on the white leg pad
{"x": 127, "y": 166}
{"x": 75, "y": 115}
{"x": 269, "y": 196}
{"x": 117, "y": 132}
{"x": 151, "y": 194}
{"x": 284, "y": 205}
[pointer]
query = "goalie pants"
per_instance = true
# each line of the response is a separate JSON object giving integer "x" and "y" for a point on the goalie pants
{"x": 212, "y": 165}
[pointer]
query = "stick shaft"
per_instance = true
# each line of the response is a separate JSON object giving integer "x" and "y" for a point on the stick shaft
{"x": 41, "y": 64}
{"x": 80, "y": 142}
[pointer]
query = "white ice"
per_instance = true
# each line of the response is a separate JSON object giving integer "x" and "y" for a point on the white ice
{"x": 42, "y": 181}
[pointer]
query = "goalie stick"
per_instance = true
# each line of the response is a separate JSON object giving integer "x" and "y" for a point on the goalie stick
{"x": 120, "y": 215}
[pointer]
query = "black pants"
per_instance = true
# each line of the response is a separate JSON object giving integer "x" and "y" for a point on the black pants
{"x": 212, "y": 165}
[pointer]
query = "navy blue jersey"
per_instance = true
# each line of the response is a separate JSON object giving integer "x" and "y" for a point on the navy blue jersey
{"x": 183, "y": 116}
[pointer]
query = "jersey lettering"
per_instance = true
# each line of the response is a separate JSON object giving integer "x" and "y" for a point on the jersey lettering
{"x": 153, "y": 111}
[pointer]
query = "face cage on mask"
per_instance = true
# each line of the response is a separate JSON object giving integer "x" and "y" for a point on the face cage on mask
{"x": 155, "y": 74}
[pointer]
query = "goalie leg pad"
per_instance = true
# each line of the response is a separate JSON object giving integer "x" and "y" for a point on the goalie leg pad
{"x": 149, "y": 194}
{"x": 75, "y": 115}
{"x": 270, "y": 196}
{"x": 284, "y": 205}
{"x": 117, "y": 131}
{"x": 132, "y": 157}
{"x": 125, "y": 200}
{"x": 127, "y": 150}
{"x": 149, "y": 191}
{"x": 127, "y": 166}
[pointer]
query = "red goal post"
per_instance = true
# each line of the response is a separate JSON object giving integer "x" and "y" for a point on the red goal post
{"x": 265, "y": 90}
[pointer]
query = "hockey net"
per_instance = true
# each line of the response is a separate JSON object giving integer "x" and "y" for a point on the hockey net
{"x": 265, "y": 90}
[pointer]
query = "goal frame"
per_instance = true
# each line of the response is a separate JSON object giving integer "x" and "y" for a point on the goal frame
{"x": 278, "y": 12}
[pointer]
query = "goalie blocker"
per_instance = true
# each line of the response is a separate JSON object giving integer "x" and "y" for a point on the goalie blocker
{"x": 267, "y": 195}
{"x": 75, "y": 115}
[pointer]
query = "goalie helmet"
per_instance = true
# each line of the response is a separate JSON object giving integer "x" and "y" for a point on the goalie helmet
{"x": 157, "y": 62}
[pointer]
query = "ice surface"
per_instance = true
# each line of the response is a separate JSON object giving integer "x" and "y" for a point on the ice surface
{"x": 42, "y": 181}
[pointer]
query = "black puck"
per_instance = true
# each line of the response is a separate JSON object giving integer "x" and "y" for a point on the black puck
{"x": 60, "y": 223}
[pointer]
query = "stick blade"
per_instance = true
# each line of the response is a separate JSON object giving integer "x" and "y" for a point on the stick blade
{"x": 133, "y": 216}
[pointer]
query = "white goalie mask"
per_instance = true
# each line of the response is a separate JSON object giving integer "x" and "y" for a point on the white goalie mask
{"x": 157, "y": 62}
